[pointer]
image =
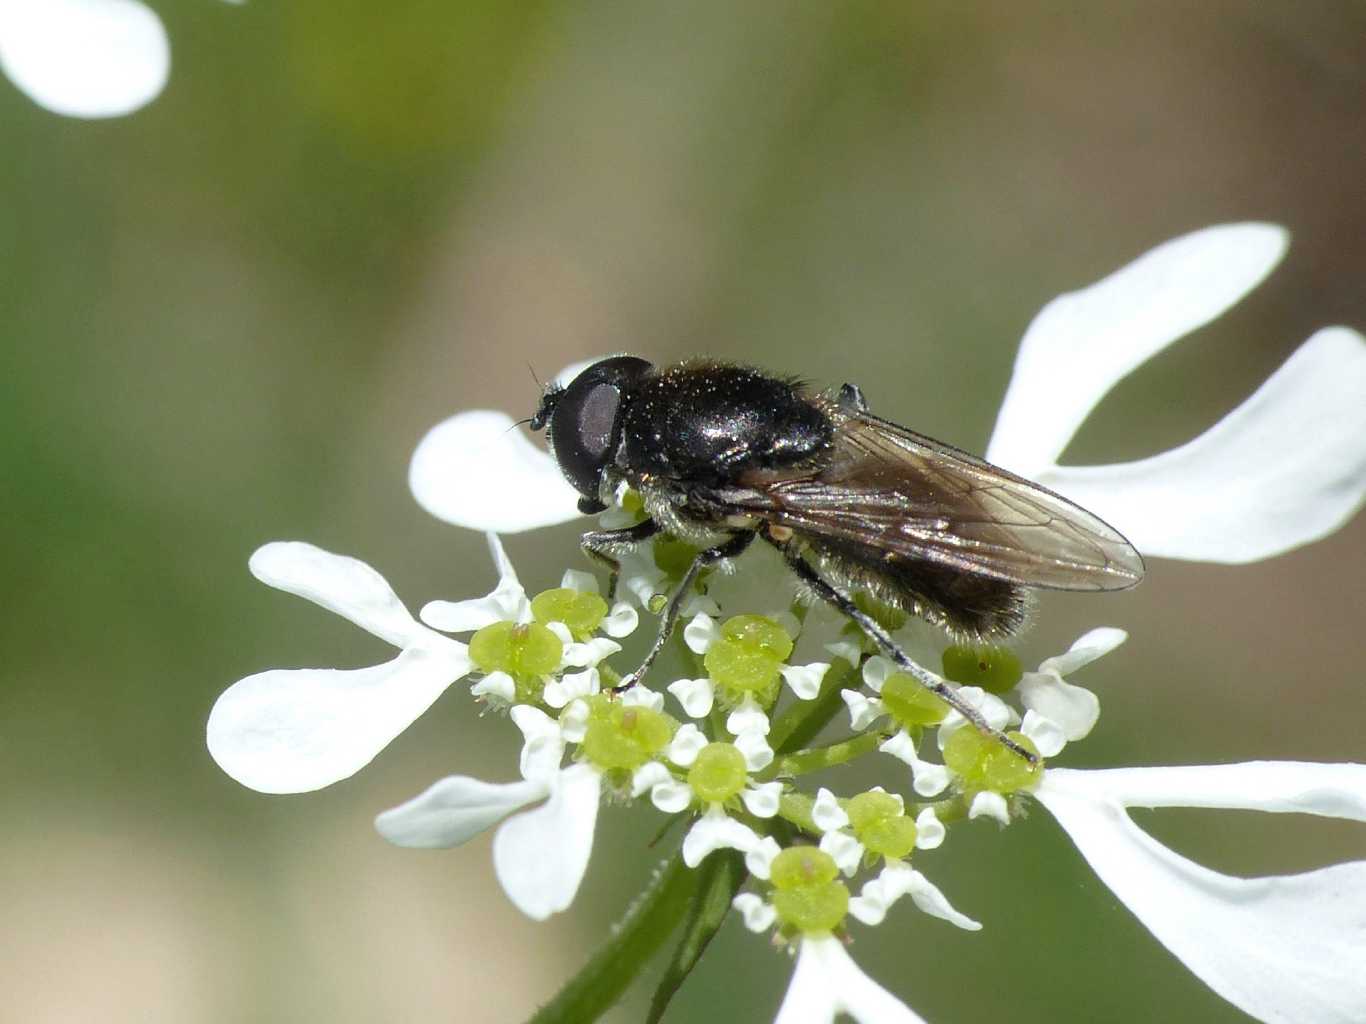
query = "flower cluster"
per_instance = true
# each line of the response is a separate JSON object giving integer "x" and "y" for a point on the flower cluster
{"x": 728, "y": 743}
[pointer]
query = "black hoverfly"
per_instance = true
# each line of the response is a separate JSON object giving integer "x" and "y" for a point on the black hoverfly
{"x": 722, "y": 453}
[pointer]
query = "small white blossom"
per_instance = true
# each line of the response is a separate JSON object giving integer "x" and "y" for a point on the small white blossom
{"x": 1048, "y": 694}
{"x": 927, "y": 778}
{"x": 899, "y": 879}
{"x": 987, "y": 804}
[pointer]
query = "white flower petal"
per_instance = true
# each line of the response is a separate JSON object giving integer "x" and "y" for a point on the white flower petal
{"x": 479, "y": 471}
{"x": 1047, "y": 735}
{"x": 293, "y": 731}
{"x": 562, "y": 634}
{"x": 876, "y": 671}
{"x": 863, "y": 711}
{"x": 762, "y": 800}
{"x": 696, "y": 696}
{"x": 748, "y": 717}
{"x": 929, "y": 830}
{"x": 805, "y": 680}
{"x": 346, "y": 586}
{"x": 700, "y": 633}
{"x": 621, "y": 621}
{"x": 496, "y": 684}
{"x": 571, "y": 686}
{"x": 507, "y": 602}
{"x": 578, "y": 579}
{"x": 757, "y": 915}
{"x": 990, "y": 805}
{"x": 670, "y": 796}
{"x": 1285, "y": 468}
{"x": 686, "y": 745}
{"x": 826, "y": 983}
{"x": 647, "y": 776}
{"x": 641, "y": 696}
{"x": 590, "y": 652}
{"x": 757, "y": 753}
{"x": 925, "y": 895}
{"x": 759, "y": 860}
{"x": 844, "y": 850}
{"x": 992, "y": 708}
{"x": 454, "y": 810}
{"x": 543, "y": 743}
{"x": 715, "y": 831}
{"x": 1093, "y": 644}
{"x": 84, "y": 58}
{"x": 1282, "y": 948}
{"x": 1081, "y": 344}
{"x": 697, "y": 603}
{"x": 1074, "y": 709}
{"x": 645, "y": 583}
{"x": 573, "y": 722}
{"x": 927, "y": 778}
{"x": 847, "y": 650}
{"x": 826, "y": 811}
{"x": 541, "y": 855}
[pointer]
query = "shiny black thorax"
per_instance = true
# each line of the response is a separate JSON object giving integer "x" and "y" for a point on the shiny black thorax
{"x": 706, "y": 425}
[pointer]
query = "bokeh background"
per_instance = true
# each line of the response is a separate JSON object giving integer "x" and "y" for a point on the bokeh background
{"x": 228, "y": 319}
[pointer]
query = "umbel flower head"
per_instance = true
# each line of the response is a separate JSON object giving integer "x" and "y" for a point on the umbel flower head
{"x": 726, "y": 745}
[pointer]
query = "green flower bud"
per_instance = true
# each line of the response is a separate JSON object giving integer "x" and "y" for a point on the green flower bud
{"x": 807, "y": 895}
{"x": 718, "y": 774}
{"x": 519, "y": 649}
{"x": 880, "y": 823}
{"x": 910, "y": 704}
{"x": 582, "y": 612}
{"x": 995, "y": 669}
{"x": 746, "y": 658}
{"x": 623, "y": 737}
{"x": 984, "y": 763}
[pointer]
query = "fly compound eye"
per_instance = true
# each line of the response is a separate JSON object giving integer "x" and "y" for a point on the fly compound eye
{"x": 585, "y": 422}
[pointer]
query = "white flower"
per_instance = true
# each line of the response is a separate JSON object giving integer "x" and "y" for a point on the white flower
{"x": 899, "y": 879}
{"x": 540, "y": 855}
{"x": 928, "y": 778}
{"x": 84, "y": 58}
{"x": 1285, "y": 468}
{"x": 700, "y": 632}
{"x": 506, "y": 602}
{"x": 1282, "y": 948}
{"x": 827, "y": 983}
{"x": 294, "y": 730}
{"x": 715, "y": 829}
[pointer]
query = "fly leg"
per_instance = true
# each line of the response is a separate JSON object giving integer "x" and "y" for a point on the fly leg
{"x": 726, "y": 549}
{"x": 891, "y": 649}
{"x": 601, "y": 546}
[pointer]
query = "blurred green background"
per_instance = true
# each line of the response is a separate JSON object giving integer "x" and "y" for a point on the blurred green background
{"x": 229, "y": 318}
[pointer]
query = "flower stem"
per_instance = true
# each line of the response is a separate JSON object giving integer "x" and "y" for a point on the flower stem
{"x": 649, "y": 921}
{"x": 803, "y": 762}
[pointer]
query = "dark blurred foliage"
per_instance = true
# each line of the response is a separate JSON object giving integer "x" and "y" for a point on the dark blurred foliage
{"x": 229, "y": 318}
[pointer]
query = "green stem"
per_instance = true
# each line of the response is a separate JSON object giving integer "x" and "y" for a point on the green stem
{"x": 802, "y": 762}
{"x": 649, "y": 921}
